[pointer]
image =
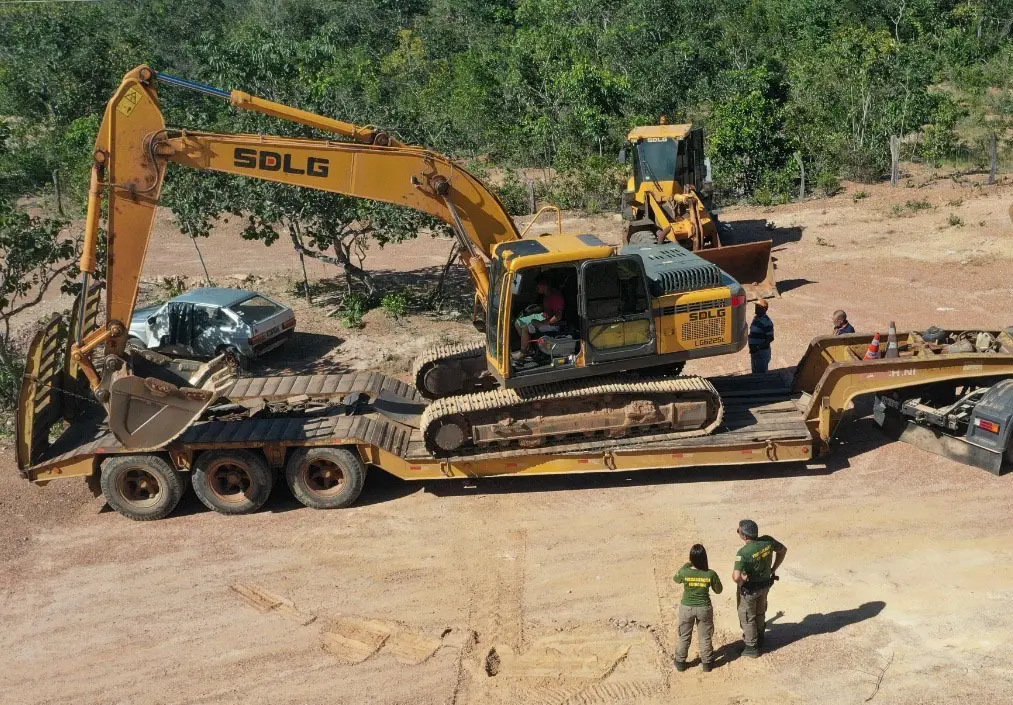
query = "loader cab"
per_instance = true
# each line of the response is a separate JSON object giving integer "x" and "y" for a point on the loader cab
{"x": 607, "y": 313}
{"x": 665, "y": 159}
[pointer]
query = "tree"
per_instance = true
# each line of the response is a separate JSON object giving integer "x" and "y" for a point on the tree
{"x": 35, "y": 253}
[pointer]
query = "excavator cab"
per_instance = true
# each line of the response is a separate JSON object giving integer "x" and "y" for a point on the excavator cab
{"x": 668, "y": 199}
{"x": 645, "y": 307}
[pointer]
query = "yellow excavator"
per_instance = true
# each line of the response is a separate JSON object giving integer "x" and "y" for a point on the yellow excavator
{"x": 667, "y": 199}
{"x": 646, "y": 308}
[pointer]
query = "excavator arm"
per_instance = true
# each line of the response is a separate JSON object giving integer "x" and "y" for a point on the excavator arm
{"x": 132, "y": 151}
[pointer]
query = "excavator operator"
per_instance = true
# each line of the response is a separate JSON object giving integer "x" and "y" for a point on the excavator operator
{"x": 546, "y": 320}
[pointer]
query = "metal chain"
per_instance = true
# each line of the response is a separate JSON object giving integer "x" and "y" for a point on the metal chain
{"x": 90, "y": 400}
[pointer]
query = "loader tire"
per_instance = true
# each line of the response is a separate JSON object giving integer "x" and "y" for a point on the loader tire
{"x": 325, "y": 478}
{"x": 232, "y": 481}
{"x": 141, "y": 487}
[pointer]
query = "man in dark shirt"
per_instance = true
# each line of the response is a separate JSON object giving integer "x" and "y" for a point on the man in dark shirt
{"x": 841, "y": 325}
{"x": 761, "y": 335}
{"x": 756, "y": 563}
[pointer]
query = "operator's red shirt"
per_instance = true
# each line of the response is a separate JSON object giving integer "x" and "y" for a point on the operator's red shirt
{"x": 553, "y": 305}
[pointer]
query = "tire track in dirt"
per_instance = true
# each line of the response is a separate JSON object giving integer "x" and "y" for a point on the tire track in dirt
{"x": 496, "y": 611}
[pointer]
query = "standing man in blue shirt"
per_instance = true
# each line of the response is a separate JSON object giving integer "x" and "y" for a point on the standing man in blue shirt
{"x": 841, "y": 325}
{"x": 761, "y": 335}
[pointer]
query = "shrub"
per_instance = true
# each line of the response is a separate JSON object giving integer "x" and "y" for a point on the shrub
{"x": 776, "y": 186}
{"x": 353, "y": 308}
{"x": 592, "y": 185}
{"x": 395, "y": 304}
{"x": 828, "y": 184}
{"x": 12, "y": 366}
{"x": 859, "y": 196}
{"x": 514, "y": 194}
{"x": 955, "y": 221}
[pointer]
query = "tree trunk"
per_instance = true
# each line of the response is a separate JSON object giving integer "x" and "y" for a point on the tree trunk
{"x": 894, "y": 160}
{"x": 56, "y": 190}
{"x": 801, "y": 169}
{"x": 342, "y": 259}
{"x": 438, "y": 289}
{"x": 993, "y": 152}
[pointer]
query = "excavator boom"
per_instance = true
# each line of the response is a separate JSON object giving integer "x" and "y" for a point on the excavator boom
{"x": 132, "y": 151}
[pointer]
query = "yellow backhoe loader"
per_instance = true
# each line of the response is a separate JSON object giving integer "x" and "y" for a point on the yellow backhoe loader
{"x": 667, "y": 200}
{"x": 647, "y": 307}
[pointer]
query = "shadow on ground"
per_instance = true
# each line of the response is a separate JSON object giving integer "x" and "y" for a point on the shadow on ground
{"x": 305, "y": 353}
{"x": 744, "y": 231}
{"x": 786, "y": 285}
{"x": 780, "y": 634}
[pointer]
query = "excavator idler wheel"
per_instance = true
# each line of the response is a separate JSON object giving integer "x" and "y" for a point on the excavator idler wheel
{"x": 232, "y": 481}
{"x": 141, "y": 487}
{"x": 325, "y": 478}
{"x": 448, "y": 434}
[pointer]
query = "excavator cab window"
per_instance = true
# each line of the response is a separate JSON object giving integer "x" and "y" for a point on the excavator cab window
{"x": 558, "y": 346}
{"x": 616, "y": 307}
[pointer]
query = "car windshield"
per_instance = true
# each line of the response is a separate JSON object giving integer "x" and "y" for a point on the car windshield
{"x": 255, "y": 309}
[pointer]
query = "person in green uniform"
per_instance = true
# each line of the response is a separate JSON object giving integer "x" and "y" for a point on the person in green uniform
{"x": 756, "y": 565}
{"x": 697, "y": 580}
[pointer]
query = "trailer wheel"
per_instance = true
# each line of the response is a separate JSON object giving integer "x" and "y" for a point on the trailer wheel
{"x": 232, "y": 481}
{"x": 141, "y": 487}
{"x": 325, "y": 478}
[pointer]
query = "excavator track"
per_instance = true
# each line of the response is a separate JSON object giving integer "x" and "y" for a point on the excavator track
{"x": 613, "y": 408}
{"x": 447, "y": 370}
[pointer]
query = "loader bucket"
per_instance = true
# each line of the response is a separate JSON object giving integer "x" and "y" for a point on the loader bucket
{"x": 147, "y": 412}
{"x": 750, "y": 264}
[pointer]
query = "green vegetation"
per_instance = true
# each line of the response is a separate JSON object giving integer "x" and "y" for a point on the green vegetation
{"x": 35, "y": 253}
{"x": 353, "y": 307}
{"x": 395, "y": 304}
{"x": 551, "y": 84}
{"x": 955, "y": 221}
{"x": 550, "y": 87}
{"x": 910, "y": 207}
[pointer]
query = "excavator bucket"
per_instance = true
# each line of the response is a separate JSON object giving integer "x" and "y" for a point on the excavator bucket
{"x": 750, "y": 264}
{"x": 162, "y": 398}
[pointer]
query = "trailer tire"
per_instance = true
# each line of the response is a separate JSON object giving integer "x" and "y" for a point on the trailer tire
{"x": 325, "y": 478}
{"x": 232, "y": 481}
{"x": 141, "y": 487}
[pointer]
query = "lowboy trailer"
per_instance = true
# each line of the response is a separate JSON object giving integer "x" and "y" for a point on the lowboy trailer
{"x": 951, "y": 392}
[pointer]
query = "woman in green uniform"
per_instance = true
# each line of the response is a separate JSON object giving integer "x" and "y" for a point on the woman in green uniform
{"x": 697, "y": 580}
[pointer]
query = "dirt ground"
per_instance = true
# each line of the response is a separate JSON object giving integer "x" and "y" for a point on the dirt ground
{"x": 898, "y": 587}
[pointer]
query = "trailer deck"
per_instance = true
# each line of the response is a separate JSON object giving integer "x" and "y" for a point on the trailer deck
{"x": 784, "y": 416}
{"x": 761, "y": 417}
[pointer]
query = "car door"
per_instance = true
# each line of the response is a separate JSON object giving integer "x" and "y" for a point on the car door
{"x": 615, "y": 310}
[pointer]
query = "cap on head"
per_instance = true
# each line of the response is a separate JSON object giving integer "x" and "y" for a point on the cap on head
{"x": 749, "y": 529}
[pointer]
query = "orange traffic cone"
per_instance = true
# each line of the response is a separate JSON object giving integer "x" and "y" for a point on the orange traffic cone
{"x": 873, "y": 352}
{"x": 891, "y": 342}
